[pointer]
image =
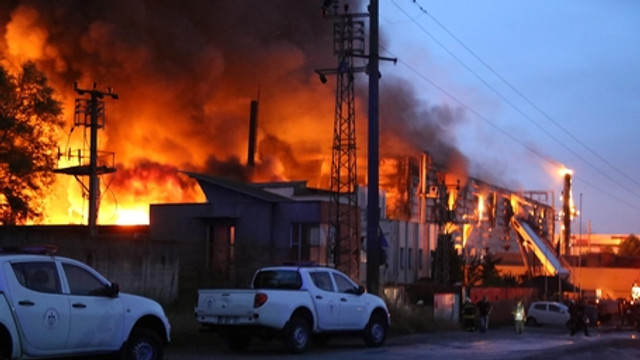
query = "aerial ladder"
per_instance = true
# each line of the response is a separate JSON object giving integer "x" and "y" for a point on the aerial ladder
{"x": 530, "y": 242}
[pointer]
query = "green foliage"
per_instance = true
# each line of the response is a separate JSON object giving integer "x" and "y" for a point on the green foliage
{"x": 411, "y": 319}
{"x": 490, "y": 274}
{"x": 473, "y": 268}
{"x": 630, "y": 246}
{"x": 30, "y": 118}
{"x": 481, "y": 269}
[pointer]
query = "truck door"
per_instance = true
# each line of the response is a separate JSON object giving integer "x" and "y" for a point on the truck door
{"x": 42, "y": 310}
{"x": 352, "y": 306}
{"x": 325, "y": 300}
{"x": 97, "y": 320}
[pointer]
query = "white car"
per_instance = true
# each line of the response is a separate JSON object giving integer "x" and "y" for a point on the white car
{"x": 548, "y": 313}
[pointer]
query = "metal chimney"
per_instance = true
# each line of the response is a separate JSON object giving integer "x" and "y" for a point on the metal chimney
{"x": 253, "y": 130}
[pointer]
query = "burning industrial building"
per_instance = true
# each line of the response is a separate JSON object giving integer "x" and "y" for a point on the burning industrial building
{"x": 185, "y": 75}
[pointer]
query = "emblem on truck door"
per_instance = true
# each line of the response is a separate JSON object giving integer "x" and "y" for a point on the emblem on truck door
{"x": 209, "y": 302}
{"x": 50, "y": 318}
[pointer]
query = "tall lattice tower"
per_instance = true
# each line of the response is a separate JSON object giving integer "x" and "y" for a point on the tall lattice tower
{"x": 344, "y": 235}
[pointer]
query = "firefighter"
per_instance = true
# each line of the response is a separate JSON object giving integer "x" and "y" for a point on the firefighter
{"x": 469, "y": 315}
{"x": 519, "y": 316}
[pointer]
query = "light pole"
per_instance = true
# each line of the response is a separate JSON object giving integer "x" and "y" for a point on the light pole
{"x": 580, "y": 252}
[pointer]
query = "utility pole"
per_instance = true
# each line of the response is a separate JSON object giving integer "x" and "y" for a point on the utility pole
{"x": 90, "y": 113}
{"x": 566, "y": 209}
{"x": 373, "y": 200}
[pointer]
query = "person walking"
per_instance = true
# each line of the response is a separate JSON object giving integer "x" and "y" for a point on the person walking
{"x": 519, "y": 316}
{"x": 578, "y": 318}
{"x": 469, "y": 315}
{"x": 484, "y": 309}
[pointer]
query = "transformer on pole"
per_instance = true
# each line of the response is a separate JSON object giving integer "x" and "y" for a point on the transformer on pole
{"x": 90, "y": 113}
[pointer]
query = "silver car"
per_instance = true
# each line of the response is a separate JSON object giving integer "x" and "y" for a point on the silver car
{"x": 548, "y": 313}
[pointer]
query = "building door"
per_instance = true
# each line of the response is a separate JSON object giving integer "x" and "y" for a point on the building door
{"x": 220, "y": 255}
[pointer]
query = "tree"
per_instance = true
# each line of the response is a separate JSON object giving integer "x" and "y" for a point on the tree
{"x": 490, "y": 274}
{"x": 630, "y": 246}
{"x": 30, "y": 118}
{"x": 472, "y": 269}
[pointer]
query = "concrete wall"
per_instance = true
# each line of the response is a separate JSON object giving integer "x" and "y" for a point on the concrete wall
{"x": 612, "y": 283}
{"x": 125, "y": 255}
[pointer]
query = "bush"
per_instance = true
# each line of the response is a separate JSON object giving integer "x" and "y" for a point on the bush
{"x": 410, "y": 319}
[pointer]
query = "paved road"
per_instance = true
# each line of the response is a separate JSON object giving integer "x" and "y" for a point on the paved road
{"x": 534, "y": 344}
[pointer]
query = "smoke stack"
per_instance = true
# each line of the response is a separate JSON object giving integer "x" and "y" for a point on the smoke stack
{"x": 425, "y": 164}
{"x": 253, "y": 129}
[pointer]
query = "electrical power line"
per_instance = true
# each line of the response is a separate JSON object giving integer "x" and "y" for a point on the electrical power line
{"x": 413, "y": 20}
{"x": 525, "y": 98}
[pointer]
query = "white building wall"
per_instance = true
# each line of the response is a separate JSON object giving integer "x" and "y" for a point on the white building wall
{"x": 408, "y": 254}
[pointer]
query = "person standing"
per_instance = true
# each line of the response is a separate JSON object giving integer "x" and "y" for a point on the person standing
{"x": 579, "y": 319}
{"x": 484, "y": 309}
{"x": 469, "y": 315}
{"x": 519, "y": 316}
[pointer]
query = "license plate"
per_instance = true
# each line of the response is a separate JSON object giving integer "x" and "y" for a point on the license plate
{"x": 227, "y": 320}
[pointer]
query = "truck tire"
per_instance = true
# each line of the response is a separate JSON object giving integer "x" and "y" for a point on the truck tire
{"x": 297, "y": 335}
{"x": 375, "y": 333}
{"x": 143, "y": 344}
{"x": 5, "y": 343}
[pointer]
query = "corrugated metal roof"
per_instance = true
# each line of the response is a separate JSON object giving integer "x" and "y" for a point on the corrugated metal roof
{"x": 238, "y": 187}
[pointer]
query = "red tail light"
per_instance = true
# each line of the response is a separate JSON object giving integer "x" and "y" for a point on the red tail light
{"x": 260, "y": 299}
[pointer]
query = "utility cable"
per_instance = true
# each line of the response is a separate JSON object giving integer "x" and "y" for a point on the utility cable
{"x": 524, "y": 97}
{"x": 606, "y": 175}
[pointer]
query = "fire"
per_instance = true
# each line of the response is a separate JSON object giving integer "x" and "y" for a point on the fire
{"x": 183, "y": 103}
{"x": 184, "y": 99}
{"x": 565, "y": 171}
{"x": 133, "y": 216}
{"x": 26, "y": 39}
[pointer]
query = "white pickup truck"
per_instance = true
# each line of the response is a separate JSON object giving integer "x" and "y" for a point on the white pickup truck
{"x": 296, "y": 303}
{"x": 51, "y": 306}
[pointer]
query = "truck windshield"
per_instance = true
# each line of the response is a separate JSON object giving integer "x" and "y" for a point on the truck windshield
{"x": 277, "y": 279}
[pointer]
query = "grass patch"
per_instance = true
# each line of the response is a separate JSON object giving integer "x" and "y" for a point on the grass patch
{"x": 416, "y": 319}
{"x": 185, "y": 329}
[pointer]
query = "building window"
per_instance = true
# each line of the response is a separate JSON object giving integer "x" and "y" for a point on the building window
{"x": 420, "y": 261}
{"x": 402, "y": 258}
{"x": 305, "y": 244}
{"x": 410, "y": 258}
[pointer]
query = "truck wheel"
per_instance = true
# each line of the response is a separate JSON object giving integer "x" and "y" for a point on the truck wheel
{"x": 143, "y": 344}
{"x": 375, "y": 333}
{"x": 238, "y": 342}
{"x": 296, "y": 335}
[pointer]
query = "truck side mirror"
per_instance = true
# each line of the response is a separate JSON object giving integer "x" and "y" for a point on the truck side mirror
{"x": 113, "y": 290}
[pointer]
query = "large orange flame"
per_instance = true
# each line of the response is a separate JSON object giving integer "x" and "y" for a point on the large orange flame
{"x": 185, "y": 75}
